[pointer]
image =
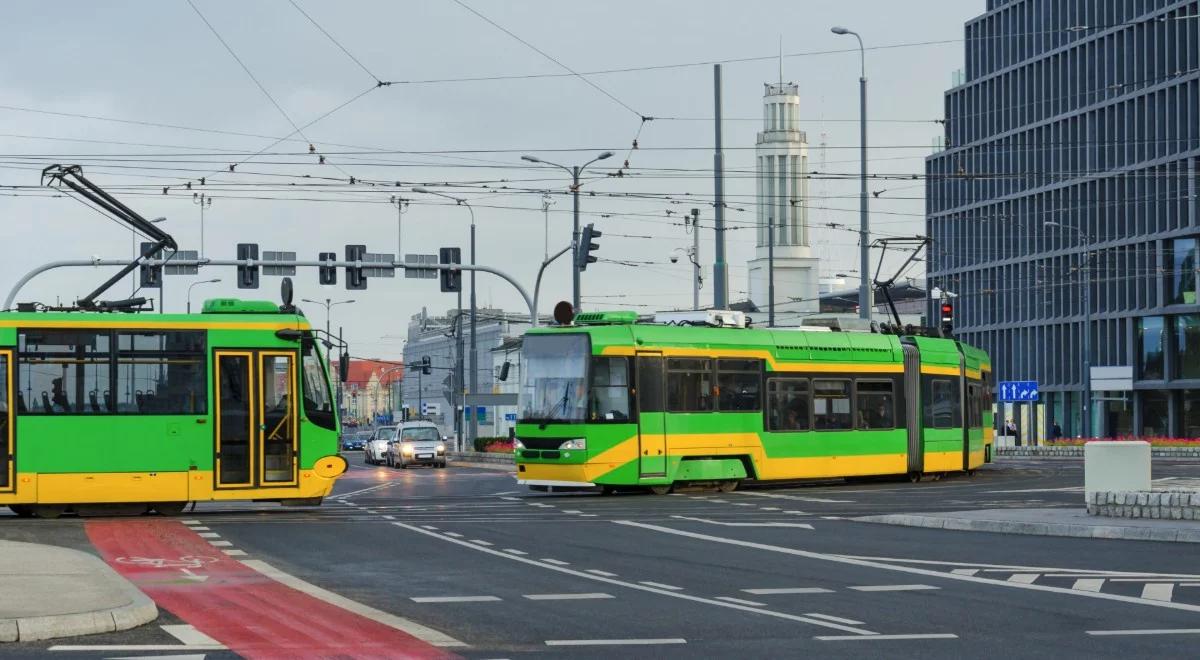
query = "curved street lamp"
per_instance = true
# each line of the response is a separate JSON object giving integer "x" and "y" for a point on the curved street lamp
{"x": 189, "y": 292}
{"x": 865, "y": 294}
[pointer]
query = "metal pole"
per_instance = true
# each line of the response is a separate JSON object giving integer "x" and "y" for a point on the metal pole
{"x": 720, "y": 273}
{"x": 474, "y": 426}
{"x": 420, "y": 394}
{"x": 575, "y": 241}
{"x": 696, "y": 259}
{"x": 1087, "y": 338}
{"x": 865, "y": 295}
{"x": 340, "y": 393}
{"x": 770, "y": 272}
{"x": 458, "y": 373}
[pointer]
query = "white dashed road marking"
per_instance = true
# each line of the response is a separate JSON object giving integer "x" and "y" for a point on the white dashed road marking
{"x": 895, "y": 587}
{"x": 739, "y": 601}
{"x": 513, "y": 551}
{"x": 589, "y": 596}
{"x": 668, "y": 587}
{"x": 613, "y": 642}
{"x": 839, "y": 619}
{"x": 556, "y": 562}
{"x": 788, "y": 590}
{"x": 480, "y": 542}
{"x": 1161, "y": 631}
{"x": 884, "y": 638}
{"x": 594, "y": 571}
{"x": 454, "y": 599}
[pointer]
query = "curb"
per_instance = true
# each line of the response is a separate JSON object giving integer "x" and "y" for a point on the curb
{"x": 139, "y": 611}
{"x": 1039, "y": 529}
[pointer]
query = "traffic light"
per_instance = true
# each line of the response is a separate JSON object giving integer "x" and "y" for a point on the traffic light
{"x": 247, "y": 275}
{"x": 947, "y": 317}
{"x": 583, "y": 253}
{"x": 426, "y": 366}
{"x": 451, "y": 280}
{"x": 151, "y": 276}
{"x": 355, "y": 277}
{"x": 328, "y": 274}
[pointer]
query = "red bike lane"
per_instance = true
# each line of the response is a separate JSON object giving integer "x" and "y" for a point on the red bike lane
{"x": 253, "y": 615}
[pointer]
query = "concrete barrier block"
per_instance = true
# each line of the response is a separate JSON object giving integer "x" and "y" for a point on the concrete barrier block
{"x": 1116, "y": 466}
{"x": 8, "y": 630}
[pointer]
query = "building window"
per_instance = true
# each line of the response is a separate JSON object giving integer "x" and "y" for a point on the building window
{"x": 876, "y": 404}
{"x": 1190, "y": 409}
{"x": 1154, "y": 413}
{"x": 1150, "y": 348}
{"x": 1187, "y": 346}
{"x": 831, "y": 405}
{"x": 738, "y": 385}
{"x": 64, "y": 372}
{"x": 787, "y": 404}
{"x": 689, "y": 385}
{"x": 1183, "y": 272}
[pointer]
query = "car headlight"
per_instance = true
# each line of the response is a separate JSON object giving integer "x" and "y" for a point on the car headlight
{"x": 576, "y": 443}
{"x": 441, "y": 449}
{"x": 407, "y": 449}
{"x": 517, "y": 444}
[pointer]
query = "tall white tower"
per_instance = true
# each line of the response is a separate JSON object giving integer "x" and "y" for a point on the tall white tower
{"x": 782, "y": 203}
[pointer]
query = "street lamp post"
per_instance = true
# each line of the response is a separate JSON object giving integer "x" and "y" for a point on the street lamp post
{"x": 189, "y": 292}
{"x": 574, "y": 172}
{"x": 473, "y": 427}
{"x": 1087, "y": 325}
{"x": 865, "y": 295}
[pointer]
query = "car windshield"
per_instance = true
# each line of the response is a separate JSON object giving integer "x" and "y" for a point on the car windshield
{"x": 554, "y": 378}
{"x": 385, "y": 432}
{"x": 426, "y": 434}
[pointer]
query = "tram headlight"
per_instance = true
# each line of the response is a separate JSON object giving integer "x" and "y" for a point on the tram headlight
{"x": 575, "y": 443}
{"x": 517, "y": 444}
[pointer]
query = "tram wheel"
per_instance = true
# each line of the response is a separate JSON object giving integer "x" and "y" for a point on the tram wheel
{"x": 169, "y": 508}
{"x": 914, "y": 477}
{"x": 22, "y": 510}
{"x": 729, "y": 486}
{"x": 49, "y": 511}
{"x": 661, "y": 490}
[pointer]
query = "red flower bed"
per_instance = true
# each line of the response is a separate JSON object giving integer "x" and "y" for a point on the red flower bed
{"x": 499, "y": 447}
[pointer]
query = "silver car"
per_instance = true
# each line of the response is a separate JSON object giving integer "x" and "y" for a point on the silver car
{"x": 417, "y": 443}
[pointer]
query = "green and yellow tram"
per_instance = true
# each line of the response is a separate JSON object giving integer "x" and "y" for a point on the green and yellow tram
{"x": 133, "y": 411}
{"x": 610, "y": 401}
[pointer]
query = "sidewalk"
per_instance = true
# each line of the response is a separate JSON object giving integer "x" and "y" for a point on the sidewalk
{"x": 1049, "y": 522}
{"x": 59, "y": 592}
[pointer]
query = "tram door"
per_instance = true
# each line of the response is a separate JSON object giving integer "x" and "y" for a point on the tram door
{"x": 256, "y": 440}
{"x": 7, "y": 445}
{"x": 652, "y": 422}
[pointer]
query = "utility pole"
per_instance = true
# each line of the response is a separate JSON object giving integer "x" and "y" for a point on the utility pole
{"x": 546, "y": 219}
{"x": 720, "y": 270}
{"x": 696, "y": 259}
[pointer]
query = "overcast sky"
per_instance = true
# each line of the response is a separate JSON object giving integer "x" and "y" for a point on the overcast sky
{"x": 159, "y": 63}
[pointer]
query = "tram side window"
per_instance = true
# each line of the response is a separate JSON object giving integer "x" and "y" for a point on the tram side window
{"x": 944, "y": 410}
{"x": 63, "y": 371}
{"x": 739, "y": 383}
{"x": 161, "y": 373}
{"x": 689, "y": 385}
{"x": 876, "y": 404}
{"x": 610, "y": 390}
{"x": 831, "y": 404}
{"x": 788, "y": 404}
{"x": 974, "y": 406}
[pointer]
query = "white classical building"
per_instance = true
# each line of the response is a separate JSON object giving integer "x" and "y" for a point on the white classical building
{"x": 782, "y": 202}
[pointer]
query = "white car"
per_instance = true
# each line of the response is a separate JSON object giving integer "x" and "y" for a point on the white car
{"x": 417, "y": 443}
{"x": 375, "y": 452}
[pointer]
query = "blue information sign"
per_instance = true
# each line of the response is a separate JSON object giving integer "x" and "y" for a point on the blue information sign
{"x": 1018, "y": 390}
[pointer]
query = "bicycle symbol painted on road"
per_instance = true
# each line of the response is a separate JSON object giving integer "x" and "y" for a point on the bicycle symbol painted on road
{"x": 186, "y": 561}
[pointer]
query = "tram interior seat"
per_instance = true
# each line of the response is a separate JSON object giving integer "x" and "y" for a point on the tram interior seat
{"x": 108, "y": 401}
{"x": 46, "y": 407}
{"x": 94, "y": 401}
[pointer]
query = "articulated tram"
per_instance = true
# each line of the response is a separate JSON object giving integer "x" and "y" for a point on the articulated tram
{"x": 612, "y": 401}
{"x": 103, "y": 411}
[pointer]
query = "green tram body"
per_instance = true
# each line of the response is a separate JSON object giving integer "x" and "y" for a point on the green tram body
{"x": 612, "y": 402}
{"x": 164, "y": 409}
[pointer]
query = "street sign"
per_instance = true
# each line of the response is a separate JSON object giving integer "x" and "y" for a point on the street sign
{"x": 1018, "y": 390}
{"x": 415, "y": 272}
{"x": 187, "y": 255}
{"x": 510, "y": 417}
{"x": 269, "y": 255}
{"x": 384, "y": 267}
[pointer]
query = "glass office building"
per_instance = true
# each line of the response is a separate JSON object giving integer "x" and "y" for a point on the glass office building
{"x": 1071, "y": 161}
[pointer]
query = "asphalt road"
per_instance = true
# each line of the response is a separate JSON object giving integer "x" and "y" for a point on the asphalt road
{"x": 762, "y": 572}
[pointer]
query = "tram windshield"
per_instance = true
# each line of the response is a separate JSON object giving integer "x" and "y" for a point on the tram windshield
{"x": 554, "y": 378}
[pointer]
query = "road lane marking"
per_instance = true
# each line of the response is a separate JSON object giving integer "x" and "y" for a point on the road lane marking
{"x": 588, "y": 596}
{"x": 660, "y": 585}
{"x": 883, "y": 638}
{"x": 454, "y": 599}
{"x": 199, "y": 528}
{"x": 1024, "y": 578}
{"x": 389, "y": 517}
{"x": 190, "y": 522}
{"x": 1160, "y": 631}
{"x": 481, "y": 542}
{"x": 556, "y": 562}
{"x": 135, "y": 647}
{"x": 788, "y": 590}
{"x": 430, "y": 527}
{"x": 642, "y": 587}
{"x": 613, "y": 642}
{"x": 1088, "y": 584}
{"x": 799, "y": 498}
{"x": 423, "y": 633}
{"x": 965, "y": 571}
{"x": 895, "y": 587}
{"x": 739, "y": 601}
{"x": 233, "y": 552}
{"x": 1047, "y": 571}
{"x": 220, "y": 544}
{"x": 745, "y": 524}
{"x": 742, "y": 503}
{"x": 839, "y": 619}
{"x": 514, "y": 551}
{"x": 912, "y": 570}
{"x": 594, "y": 571}
{"x": 454, "y": 534}
{"x": 1158, "y": 591}
{"x": 208, "y": 535}
{"x": 769, "y": 508}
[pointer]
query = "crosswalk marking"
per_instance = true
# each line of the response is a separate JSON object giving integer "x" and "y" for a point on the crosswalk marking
{"x": 965, "y": 571}
{"x": 1158, "y": 591}
{"x": 1024, "y": 578}
{"x": 1088, "y": 584}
